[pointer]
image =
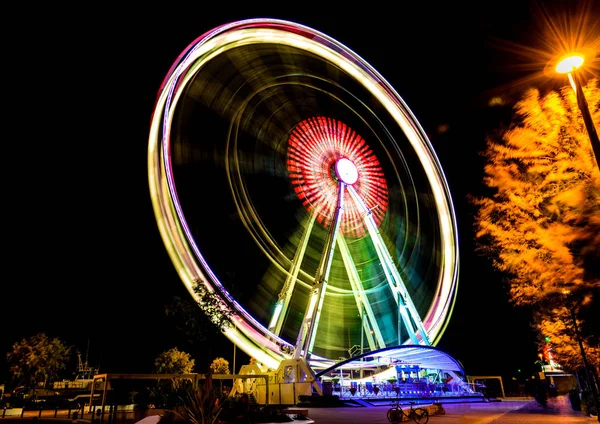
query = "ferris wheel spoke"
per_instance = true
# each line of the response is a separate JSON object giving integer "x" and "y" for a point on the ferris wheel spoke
{"x": 285, "y": 295}
{"x": 370, "y": 326}
{"x": 406, "y": 307}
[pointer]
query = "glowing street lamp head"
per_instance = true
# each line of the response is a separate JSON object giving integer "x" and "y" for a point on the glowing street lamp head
{"x": 346, "y": 171}
{"x": 569, "y": 63}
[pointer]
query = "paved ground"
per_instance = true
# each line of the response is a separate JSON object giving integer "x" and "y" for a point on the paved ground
{"x": 508, "y": 411}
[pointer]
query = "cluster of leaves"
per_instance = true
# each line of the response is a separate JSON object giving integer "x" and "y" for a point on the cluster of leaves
{"x": 220, "y": 366}
{"x": 540, "y": 225}
{"x": 212, "y": 306}
{"x": 191, "y": 323}
{"x": 39, "y": 360}
{"x": 174, "y": 361}
{"x": 558, "y": 327}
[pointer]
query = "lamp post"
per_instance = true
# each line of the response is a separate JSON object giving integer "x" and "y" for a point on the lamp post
{"x": 569, "y": 65}
{"x": 590, "y": 381}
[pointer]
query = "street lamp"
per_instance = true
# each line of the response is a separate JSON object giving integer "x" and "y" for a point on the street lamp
{"x": 569, "y": 65}
{"x": 589, "y": 380}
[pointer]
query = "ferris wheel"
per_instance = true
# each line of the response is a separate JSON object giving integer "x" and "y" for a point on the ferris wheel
{"x": 291, "y": 180}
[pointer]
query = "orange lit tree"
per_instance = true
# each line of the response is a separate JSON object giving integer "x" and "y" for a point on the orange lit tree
{"x": 539, "y": 223}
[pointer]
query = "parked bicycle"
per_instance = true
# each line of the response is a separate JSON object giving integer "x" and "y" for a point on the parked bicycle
{"x": 419, "y": 415}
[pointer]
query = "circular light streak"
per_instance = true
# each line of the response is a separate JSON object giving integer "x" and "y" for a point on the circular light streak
{"x": 318, "y": 145}
{"x": 247, "y": 333}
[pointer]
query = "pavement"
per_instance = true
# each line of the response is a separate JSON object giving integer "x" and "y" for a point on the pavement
{"x": 505, "y": 411}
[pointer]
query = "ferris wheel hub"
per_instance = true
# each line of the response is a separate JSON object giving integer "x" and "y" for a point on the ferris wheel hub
{"x": 346, "y": 171}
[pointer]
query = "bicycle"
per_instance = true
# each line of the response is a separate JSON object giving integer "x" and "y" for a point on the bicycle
{"x": 418, "y": 415}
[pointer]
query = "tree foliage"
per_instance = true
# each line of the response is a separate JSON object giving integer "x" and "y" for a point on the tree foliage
{"x": 192, "y": 315}
{"x": 188, "y": 319}
{"x": 558, "y": 326}
{"x": 38, "y": 360}
{"x": 540, "y": 223}
{"x": 166, "y": 392}
{"x": 174, "y": 361}
{"x": 212, "y": 306}
{"x": 220, "y": 366}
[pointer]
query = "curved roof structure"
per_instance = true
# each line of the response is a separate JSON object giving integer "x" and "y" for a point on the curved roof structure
{"x": 423, "y": 356}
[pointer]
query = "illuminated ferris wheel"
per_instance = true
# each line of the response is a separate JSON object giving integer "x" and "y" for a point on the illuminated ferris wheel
{"x": 290, "y": 179}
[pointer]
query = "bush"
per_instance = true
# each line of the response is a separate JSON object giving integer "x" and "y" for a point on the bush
{"x": 201, "y": 405}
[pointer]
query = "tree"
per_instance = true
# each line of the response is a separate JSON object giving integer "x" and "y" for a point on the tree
{"x": 192, "y": 324}
{"x": 188, "y": 320}
{"x": 540, "y": 223}
{"x": 212, "y": 306}
{"x": 557, "y": 329}
{"x": 220, "y": 366}
{"x": 38, "y": 360}
{"x": 174, "y": 361}
{"x": 200, "y": 318}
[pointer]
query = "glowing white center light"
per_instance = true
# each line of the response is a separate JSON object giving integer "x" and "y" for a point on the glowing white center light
{"x": 346, "y": 171}
{"x": 568, "y": 64}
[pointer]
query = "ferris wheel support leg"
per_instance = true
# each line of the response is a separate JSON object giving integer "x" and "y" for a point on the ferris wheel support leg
{"x": 366, "y": 330}
{"x": 403, "y": 316}
{"x": 370, "y": 326}
{"x": 408, "y": 307}
{"x": 399, "y": 331}
{"x": 308, "y": 330}
{"x": 392, "y": 274}
{"x": 283, "y": 302}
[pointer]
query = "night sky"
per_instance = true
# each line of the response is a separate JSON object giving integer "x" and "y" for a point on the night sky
{"x": 84, "y": 260}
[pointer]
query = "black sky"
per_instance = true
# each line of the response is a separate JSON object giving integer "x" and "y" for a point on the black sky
{"x": 84, "y": 260}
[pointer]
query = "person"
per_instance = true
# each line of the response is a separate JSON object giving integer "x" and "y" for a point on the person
{"x": 541, "y": 394}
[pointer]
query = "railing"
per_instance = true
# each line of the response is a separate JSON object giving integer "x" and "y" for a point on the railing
{"x": 63, "y": 385}
{"x": 41, "y": 413}
{"x": 410, "y": 390}
{"x": 110, "y": 413}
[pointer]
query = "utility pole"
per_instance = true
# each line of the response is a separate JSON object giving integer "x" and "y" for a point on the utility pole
{"x": 590, "y": 381}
